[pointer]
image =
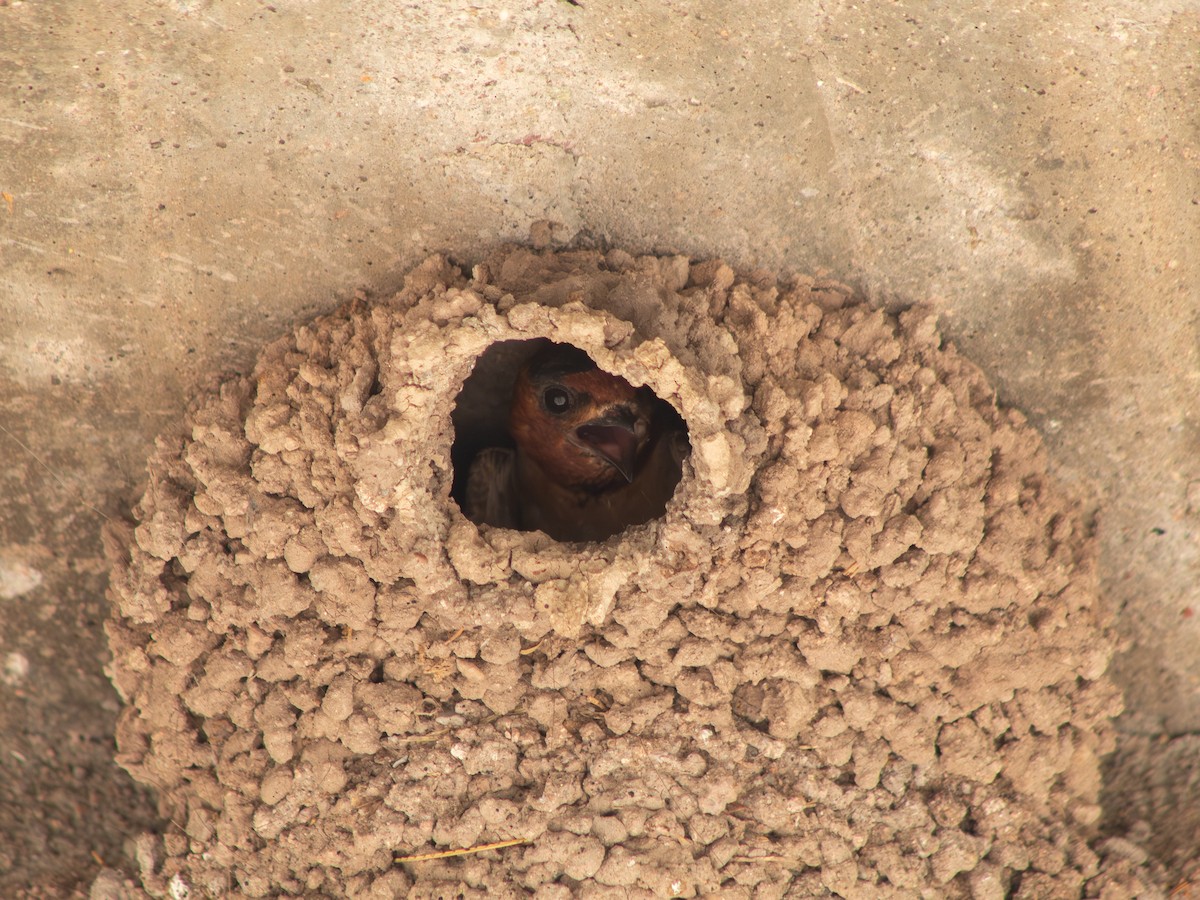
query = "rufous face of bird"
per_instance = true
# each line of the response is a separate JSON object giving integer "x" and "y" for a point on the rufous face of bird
{"x": 584, "y": 427}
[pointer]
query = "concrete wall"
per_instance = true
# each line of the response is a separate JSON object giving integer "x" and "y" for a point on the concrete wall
{"x": 182, "y": 181}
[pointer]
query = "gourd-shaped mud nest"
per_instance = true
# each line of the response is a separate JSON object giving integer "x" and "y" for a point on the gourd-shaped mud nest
{"x": 858, "y": 654}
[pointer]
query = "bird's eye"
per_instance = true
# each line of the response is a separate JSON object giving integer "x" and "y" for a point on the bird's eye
{"x": 556, "y": 399}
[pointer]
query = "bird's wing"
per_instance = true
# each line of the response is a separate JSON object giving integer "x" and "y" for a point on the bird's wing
{"x": 491, "y": 495}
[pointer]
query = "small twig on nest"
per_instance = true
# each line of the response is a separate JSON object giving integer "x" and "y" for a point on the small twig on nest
{"x": 420, "y": 738}
{"x": 764, "y": 859}
{"x": 445, "y": 854}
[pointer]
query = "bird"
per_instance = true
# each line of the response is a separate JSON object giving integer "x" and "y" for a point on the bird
{"x": 592, "y": 454}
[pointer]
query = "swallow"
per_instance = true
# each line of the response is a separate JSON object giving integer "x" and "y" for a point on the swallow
{"x": 593, "y": 454}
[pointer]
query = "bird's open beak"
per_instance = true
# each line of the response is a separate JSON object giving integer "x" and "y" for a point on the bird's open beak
{"x": 614, "y": 437}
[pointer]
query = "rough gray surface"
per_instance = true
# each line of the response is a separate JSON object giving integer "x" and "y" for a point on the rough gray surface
{"x": 180, "y": 181}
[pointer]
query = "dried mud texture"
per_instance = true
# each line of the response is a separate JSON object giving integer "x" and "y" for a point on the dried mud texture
{"x": 860, "y": 655}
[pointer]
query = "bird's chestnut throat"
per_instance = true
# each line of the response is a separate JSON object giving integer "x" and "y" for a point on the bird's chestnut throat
{"x": 616, "y": 438}
{"x": 616, "y": 445}
{"x": 592, "y": 458}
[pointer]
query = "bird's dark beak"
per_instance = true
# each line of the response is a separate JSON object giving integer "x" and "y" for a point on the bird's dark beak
{"x": 614, "y": 437}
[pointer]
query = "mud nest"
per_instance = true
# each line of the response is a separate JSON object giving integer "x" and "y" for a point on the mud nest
{"x": 860, "y": 655}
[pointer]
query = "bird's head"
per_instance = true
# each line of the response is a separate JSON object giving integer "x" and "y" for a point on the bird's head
{"x": 583, "y": 426}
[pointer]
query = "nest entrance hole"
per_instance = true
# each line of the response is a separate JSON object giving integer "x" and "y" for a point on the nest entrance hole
{"x": 481, "y": 420}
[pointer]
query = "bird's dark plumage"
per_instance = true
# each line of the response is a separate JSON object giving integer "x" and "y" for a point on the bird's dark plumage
{"x": 593, "y": 454}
